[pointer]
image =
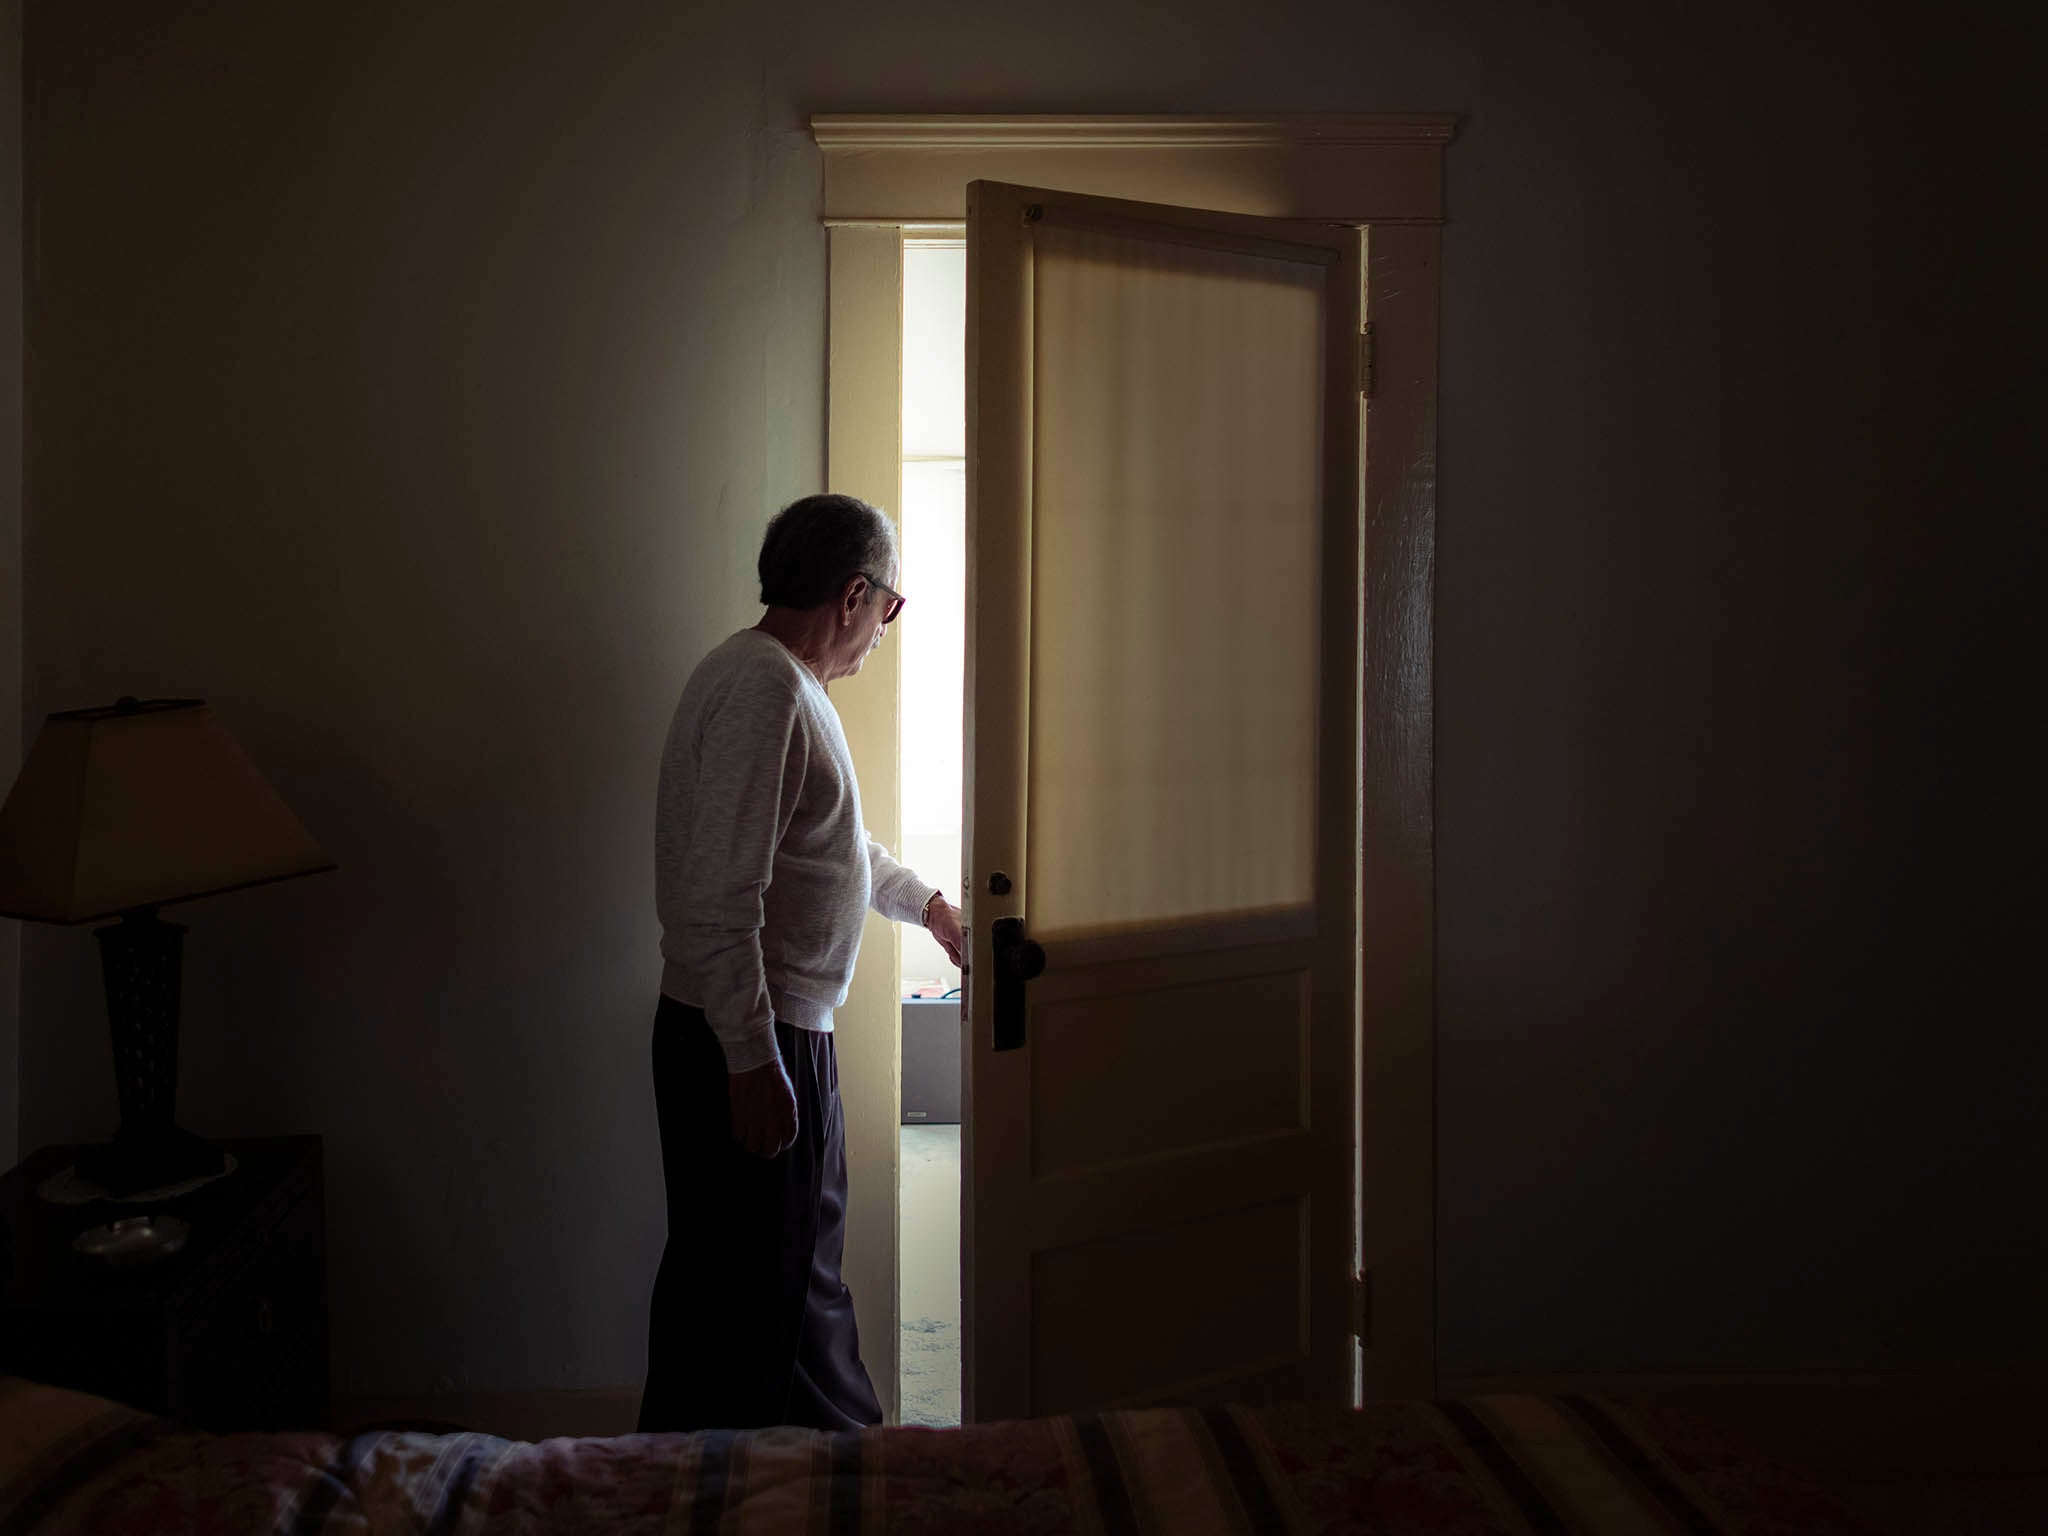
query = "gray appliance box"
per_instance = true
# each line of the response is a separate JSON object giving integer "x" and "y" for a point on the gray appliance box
{"x": 931, "y": 1061}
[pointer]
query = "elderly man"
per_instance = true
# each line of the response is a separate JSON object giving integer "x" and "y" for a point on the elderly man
{"x": 764, "y": 872}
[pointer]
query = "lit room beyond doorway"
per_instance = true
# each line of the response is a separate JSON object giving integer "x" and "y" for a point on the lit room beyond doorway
{"x": 933, "y": 520}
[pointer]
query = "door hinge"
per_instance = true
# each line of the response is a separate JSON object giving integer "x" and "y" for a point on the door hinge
{"x": 1366, "y": 360}
{"x": 1361, "y": 1308}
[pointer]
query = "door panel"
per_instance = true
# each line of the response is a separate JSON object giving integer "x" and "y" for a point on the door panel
{"x": 1163, "y": 514}
{"x": 1099, "y": 1098}
{"x": 1241, "y": 1268}
{"x": 1173, "y": 636}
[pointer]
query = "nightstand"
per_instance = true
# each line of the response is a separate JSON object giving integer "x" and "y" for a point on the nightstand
{"x": 228, "y": 1333}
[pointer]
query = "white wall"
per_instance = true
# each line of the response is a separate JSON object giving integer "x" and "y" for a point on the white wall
{"x": 414, "y": 386}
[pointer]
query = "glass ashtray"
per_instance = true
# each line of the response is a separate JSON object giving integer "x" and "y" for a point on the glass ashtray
{"x": 134, "y": 1239}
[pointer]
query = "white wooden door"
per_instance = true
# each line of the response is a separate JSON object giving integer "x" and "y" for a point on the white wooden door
{"x": 1159, "y": 1180}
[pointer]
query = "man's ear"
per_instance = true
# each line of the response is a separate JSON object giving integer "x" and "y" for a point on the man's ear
{"x": 850, "y": 598}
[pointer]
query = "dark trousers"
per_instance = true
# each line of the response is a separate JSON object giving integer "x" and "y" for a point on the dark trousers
{"x": 751, "y": 1324}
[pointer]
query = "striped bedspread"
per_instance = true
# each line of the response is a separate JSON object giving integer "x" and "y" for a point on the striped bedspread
{"x": 82, "y": 1466}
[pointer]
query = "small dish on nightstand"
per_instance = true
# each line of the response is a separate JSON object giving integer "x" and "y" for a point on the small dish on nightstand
{"x": 134, "y": 1239}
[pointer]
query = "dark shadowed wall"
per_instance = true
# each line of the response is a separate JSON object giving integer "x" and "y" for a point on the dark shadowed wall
{"x": 10, "y": 533}
{"x": 412, "y": 381}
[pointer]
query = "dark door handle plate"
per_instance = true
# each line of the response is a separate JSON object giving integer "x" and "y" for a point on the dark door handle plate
{"x": 1017, "y": 960}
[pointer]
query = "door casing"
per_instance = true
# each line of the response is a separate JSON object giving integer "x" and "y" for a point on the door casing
{"x": 888, "y": 175}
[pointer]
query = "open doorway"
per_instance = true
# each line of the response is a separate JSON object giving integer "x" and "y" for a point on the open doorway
{"x": 933, "y": 523}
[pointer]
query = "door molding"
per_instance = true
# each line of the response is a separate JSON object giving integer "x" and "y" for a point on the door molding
{"x": 1362, "y": 168}
{"x": 879, "y": 130}
{"x": 864, "y": 409}
{"x": 1384, "y": 174}
{"x": 1397, "y": 819}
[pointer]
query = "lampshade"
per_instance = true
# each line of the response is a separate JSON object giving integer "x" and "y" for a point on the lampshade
{"x": 137, "y": 805}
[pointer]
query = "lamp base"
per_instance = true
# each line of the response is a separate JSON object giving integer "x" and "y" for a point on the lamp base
{"x": 131, "y": 1163}
{"x": 140, "y": 956}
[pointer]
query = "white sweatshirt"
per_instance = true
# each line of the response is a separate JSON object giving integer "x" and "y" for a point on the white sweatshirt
{"x": 763, "y": 868}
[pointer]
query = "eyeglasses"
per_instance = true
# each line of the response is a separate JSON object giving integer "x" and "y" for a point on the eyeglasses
{"x": 895, "y": 599}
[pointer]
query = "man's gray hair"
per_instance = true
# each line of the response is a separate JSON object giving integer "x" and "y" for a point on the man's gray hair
{"x": 814, "y": 546}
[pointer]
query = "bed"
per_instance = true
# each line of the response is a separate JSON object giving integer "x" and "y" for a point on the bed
{"x": 82, "y": 1466}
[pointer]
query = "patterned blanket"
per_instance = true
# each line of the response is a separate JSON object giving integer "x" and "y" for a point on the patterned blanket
{"x": 82, "y": 1466}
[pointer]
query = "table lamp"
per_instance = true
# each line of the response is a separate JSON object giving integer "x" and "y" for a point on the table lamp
{"x": 119, "y": 811}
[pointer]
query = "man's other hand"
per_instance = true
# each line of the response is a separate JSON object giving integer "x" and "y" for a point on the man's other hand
{"x": 763, "y": 1109}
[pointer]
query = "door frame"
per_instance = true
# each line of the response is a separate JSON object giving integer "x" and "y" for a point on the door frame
{"x": 888, "y": 176}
